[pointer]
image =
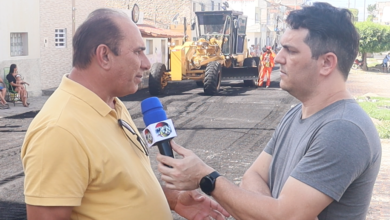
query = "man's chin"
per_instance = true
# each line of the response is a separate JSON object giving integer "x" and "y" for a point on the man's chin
{"x": 282, "y": 86}
{"x": 130, "y": 91}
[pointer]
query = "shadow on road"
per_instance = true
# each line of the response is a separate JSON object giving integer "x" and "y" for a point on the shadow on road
{"x": 178, "y": 88}
{"x": 12, "y": 211}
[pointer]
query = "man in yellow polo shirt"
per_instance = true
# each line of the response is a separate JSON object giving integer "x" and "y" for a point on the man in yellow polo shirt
{"x": 79, "y": 162}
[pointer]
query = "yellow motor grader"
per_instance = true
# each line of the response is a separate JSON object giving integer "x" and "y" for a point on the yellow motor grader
{"x": 220, "y": 52}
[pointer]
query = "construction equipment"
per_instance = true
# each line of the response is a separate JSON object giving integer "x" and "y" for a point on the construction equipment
{"x": 220, "y": 52}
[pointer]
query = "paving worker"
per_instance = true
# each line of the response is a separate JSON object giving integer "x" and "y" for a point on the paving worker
{"x": 267, "y": 61}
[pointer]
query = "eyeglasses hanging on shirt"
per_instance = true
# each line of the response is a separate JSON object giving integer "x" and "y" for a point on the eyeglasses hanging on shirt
{"x": 126, "y": 125}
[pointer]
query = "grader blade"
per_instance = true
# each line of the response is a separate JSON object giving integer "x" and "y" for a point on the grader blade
{"x": 244, "y": 73}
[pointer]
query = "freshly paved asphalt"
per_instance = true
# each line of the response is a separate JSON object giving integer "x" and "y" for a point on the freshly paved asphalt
{"x": 359, "y": 84}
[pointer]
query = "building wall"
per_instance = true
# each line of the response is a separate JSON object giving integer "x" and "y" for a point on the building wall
{"x": 21, "y": 16}
{"x": 383, "y": 9}
{"x": 160, "y": 13}
{"x": 45, "y": 64}
{"x": 55, "y": 62}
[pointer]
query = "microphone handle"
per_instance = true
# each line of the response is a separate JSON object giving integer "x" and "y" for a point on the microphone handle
{"x": 165, "y": 148}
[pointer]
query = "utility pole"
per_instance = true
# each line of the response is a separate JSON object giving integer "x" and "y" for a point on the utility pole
{"x": 364, "y": 11}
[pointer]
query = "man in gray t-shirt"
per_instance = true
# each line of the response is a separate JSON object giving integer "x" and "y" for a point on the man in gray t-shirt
{"x": 323, "y": 159}
{"x": 336, "y": 151}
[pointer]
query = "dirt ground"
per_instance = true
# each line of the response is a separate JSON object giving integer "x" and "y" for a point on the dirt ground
{"x": 376, "y": 84}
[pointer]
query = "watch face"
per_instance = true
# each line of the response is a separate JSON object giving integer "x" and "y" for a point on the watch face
{"x": 135, "y": 13}
{"x": 206, "y": 185}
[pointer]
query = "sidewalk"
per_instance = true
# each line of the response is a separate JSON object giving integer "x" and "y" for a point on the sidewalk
{"x": 36, "y": 104}
{"x": 359, "y": 84}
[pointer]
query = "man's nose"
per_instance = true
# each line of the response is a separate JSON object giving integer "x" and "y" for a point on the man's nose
{"x": 145, "y": 63}
{"x": 279, "y": 59}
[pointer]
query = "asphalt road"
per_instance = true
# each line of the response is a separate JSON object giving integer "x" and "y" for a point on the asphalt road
{"x": 228, "y": 131}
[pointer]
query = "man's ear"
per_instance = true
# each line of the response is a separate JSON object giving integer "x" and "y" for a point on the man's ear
{"x": 103, "y": 56}
{"x": 328, "y": 63}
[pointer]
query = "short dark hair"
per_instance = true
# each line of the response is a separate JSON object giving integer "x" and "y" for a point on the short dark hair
{"x": 99, "y": 28}
{"x": 330, "y": 30}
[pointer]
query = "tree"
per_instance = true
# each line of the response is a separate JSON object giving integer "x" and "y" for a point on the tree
{"x": 370, "y": 18}
{"x": 371, "y": 9}
{"x": 355, "y": 13}
{"x": 374, "y": 38}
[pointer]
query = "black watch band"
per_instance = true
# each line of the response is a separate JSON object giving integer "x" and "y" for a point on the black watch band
{"x": 207, "y": 183}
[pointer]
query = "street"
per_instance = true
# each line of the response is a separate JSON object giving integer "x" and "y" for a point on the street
{"x": 228, "y": 131}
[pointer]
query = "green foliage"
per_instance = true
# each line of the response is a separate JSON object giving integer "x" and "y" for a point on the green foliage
{"x": 355, "y": 13}
{"x": 370, "y": 18}
{"x": 374, "y": 37}
{"x": 384, "y": 130}
{"x": 378, "y": 108}
{"x": 371, "y": 9}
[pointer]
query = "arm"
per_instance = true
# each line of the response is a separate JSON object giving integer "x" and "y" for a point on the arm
{"x": 256, "y": 177}
{"x": 296, "y": 201}
{"x": 15, "y": 84}
{"x": 48, "y": 212}
{"x": 193, "y": 205}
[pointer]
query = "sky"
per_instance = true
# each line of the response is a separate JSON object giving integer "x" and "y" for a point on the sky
{"x": 359, "y": 4}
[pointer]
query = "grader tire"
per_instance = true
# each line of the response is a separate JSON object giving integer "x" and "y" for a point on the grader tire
{"x": 212, "y": 79}
{"x": 250, "y": 62}
{"x": 155, "y": 79}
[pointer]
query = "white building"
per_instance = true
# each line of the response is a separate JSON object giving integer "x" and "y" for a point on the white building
{"x": 265, "y": 20}
{"x": 37, "y": 35}
{"x": 20, "y": 40}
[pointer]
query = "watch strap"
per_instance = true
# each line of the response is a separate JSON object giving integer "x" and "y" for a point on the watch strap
{"x": 214, "y": 175}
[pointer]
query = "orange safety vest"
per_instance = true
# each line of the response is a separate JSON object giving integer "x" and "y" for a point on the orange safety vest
{"x": 267, "y": 59}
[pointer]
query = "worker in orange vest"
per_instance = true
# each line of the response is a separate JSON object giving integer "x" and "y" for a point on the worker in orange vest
{"x": 267, "y": 61}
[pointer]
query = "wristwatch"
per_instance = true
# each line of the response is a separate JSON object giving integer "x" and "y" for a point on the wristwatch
{"x": 207, "y": 183}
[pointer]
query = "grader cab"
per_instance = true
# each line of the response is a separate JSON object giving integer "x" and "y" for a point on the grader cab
{"x": 219, "y": 53}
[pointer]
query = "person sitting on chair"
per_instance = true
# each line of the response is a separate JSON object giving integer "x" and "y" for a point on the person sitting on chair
{"x": 20, "y": 89}
{"x": 3, "y": 91}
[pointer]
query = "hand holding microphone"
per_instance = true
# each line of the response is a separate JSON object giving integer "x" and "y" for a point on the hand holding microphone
{"x": 159, "y": 130}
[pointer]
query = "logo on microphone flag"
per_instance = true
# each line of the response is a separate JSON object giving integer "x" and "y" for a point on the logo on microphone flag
{"x": 158, "y": 132}
{"x": 148, "y": 136}
{"x": 163, "y": 129}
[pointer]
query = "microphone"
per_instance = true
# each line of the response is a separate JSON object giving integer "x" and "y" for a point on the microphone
{"x": 159, "y": 130}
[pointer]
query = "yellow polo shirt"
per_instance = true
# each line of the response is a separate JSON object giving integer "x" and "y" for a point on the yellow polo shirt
{"x": 76, "y": 154}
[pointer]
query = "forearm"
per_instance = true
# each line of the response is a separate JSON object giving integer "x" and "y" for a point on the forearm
{"x": 244, "y": 204}
{"x": 15, "y": 85}
{"x": 171, "y": 196}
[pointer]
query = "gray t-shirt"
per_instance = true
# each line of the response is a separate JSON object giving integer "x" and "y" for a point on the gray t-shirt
{"x": 336, "y": 151}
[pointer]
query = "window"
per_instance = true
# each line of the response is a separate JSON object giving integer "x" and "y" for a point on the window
{"x": 219, "y": 6}
{"x": 202, "y": 7}
{"x": 212, "y": 5}
{"x": 149, "y": 47}
{"x": 19, "y": 44}
{"x": 60, "y": 38}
